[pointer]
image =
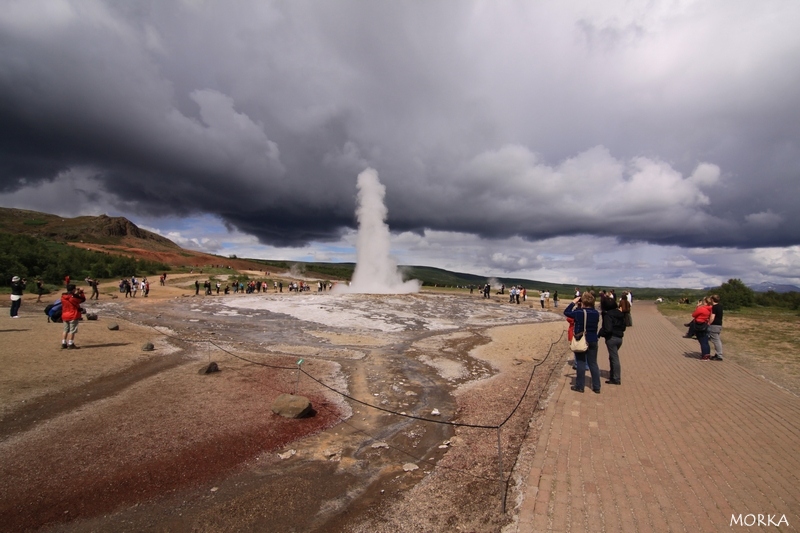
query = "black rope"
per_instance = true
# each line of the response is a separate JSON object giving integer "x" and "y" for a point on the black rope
{"x": 366, "y": 404}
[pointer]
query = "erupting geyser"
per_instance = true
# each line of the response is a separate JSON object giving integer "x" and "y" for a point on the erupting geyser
{"x": 376, "y": 272}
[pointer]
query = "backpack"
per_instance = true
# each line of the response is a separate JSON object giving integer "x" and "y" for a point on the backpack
{"x": 53, "y": 311}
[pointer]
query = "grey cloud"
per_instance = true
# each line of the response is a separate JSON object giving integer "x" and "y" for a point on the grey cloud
{"x": 494, "y": 122}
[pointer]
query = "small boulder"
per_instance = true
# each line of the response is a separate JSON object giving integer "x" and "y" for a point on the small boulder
{"x": 291, "y": 406}
{"x": 148, "y": 347}
{"x": 113, "y": 326}
{"x": 210, "y": 368}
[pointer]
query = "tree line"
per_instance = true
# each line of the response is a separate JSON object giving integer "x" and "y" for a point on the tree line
{"x": 31, "y": 258}
{"x": 735, "y": 295}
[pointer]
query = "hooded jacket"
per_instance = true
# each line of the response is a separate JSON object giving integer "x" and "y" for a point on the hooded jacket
{"x": 71, "y": 306}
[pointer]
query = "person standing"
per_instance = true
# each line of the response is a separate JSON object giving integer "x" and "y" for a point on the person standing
{"x": 93, "y": 284}
{"x": 541, "y": 297}
{"x": 626, "y": 295}
{"x": 17, "y": 290}
{"x": 701, "y": 316}
{"x": 589, "y": 329}
{"x": 715, "y": 327}
{"x": 613, "y": 329}
{"x": 71, "y": 314}
{"x": 196, "y": 287}
{"x": 39, "y": 289}
{"x": 555, "y": 299}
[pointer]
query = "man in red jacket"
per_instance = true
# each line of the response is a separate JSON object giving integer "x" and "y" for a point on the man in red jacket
{"x": 71, "y": 314}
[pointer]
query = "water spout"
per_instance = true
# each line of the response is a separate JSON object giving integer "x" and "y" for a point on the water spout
{"x": 376, "y": 272}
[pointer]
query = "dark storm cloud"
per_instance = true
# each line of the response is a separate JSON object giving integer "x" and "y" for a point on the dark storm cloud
{"x": 644, "y": 122}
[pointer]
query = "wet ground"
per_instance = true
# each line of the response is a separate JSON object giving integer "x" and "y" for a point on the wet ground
{"x": 384, "y": 367}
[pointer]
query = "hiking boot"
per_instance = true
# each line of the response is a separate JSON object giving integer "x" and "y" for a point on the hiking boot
{"x": 716, "y": 358}
{"x": 706, "y": 358}
{"x": 72, "y": 347}
{"x": 63, "y": 346}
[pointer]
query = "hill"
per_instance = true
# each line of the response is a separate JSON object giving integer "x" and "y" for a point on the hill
{"x": 98, "y": 230}
{"x": 114, "y": 235}
{"x": 775, "y": 287}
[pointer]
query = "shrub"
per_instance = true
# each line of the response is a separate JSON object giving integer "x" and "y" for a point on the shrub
{"x": 734, "y": 294}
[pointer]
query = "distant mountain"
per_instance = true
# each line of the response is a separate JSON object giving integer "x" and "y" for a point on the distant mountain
{"x": 766, "y": 286}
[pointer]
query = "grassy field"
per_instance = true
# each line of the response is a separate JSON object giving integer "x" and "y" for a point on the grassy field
{"x": 765, "y": 340}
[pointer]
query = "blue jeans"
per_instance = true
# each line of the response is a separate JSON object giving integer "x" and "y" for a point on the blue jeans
{"x": 584, "y": 359}
{"x": 703, "y": 340}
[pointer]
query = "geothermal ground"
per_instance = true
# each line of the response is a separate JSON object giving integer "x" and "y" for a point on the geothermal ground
{"x": 112, "y": 438}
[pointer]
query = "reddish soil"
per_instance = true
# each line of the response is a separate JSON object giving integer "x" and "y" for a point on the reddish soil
{"x": 113, "y": 438}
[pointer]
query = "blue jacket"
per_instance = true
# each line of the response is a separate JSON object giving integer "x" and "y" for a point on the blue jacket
{"x": 592, "y": 318}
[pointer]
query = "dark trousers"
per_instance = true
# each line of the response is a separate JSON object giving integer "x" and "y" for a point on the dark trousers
{"x": 15, "y": 306}
{"x": 613, "y": 344}
{"x": 702, "y": 338}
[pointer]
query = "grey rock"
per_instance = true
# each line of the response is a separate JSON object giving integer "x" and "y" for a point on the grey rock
{"x": 148, "y": 347}
{"x": 113, "y": 326}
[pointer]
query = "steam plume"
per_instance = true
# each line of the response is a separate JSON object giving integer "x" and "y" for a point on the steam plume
{"x": 376, "y": 272}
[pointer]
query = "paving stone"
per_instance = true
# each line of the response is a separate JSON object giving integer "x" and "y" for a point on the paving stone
{"x": 681, "y": 445}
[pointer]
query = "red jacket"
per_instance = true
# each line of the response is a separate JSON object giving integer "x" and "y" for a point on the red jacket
{"x": 702, "y": 314}
{"x": 71, "y": 306}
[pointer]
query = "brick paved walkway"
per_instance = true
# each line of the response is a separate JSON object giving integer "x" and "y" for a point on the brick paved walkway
{"x": 682, "y": 445}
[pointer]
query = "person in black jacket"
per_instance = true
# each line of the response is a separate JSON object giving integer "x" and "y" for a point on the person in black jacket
{"x": 17, "y": 289}
{"x": 613, "y": 329}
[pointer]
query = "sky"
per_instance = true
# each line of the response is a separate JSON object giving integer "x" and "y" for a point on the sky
{"x": 620, "y": 143}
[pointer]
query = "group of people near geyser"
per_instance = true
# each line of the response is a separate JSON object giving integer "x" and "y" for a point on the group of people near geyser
{"x": 614, "y": 318}
{"x": 130, "y": 286}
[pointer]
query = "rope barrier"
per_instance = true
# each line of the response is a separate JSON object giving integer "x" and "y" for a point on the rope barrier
{"x": 504, "y": 481}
